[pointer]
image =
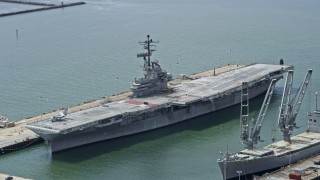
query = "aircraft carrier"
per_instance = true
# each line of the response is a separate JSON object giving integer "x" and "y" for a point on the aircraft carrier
{"x": 255, "y": 160}
{"x": 156, "y": 101}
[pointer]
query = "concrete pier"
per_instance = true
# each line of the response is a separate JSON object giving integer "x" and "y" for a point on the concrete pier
{"x": 18, "y": 137}
{"x": 306, "y": 169}
{"x": 28, "y": 2}
{"x": 48, "y": 6}
{"x": 6, "y": 176}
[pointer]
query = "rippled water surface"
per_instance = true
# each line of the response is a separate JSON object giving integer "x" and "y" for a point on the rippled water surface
{"x": 72, "y": 55}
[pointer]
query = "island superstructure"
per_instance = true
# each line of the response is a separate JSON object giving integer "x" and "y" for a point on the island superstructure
{"x": 256, "y": 160}
{"x": 157, "y": 101}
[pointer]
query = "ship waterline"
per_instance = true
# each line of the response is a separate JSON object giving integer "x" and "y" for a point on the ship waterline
{"x": 156, "y": 102}
{"x": 142, "y": 123}
{"x": 191, "y": 98}
{"x": 304, "y": 145}
{"x": 255, "y": 160}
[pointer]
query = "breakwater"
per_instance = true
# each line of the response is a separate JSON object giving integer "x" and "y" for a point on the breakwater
{"x": 47, "y": 6}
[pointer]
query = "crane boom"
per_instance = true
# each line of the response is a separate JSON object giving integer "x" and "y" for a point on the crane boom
{"x": 288, "y": 121}
{"x": 255, "y": 133}
{"x": 286, "y": 97}
{"x": 302, "y": 92}
{"x": 249, "y": 141}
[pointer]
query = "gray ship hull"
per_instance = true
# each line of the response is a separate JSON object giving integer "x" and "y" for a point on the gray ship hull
{"x": 263, "y": 164}
{"x": 187, "y": 99}
{"x": 158, "y": 119}
{"x": 253, "y": 160}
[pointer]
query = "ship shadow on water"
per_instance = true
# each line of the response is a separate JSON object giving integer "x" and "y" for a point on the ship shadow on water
{"x": 200, "y": 123}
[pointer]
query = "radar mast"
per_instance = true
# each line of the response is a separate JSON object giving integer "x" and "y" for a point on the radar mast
{"x": 155, "y": 79}
{"x": 147, "y": 44}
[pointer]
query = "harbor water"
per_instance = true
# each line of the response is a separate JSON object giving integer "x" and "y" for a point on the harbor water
{"x": 62, "y": 57}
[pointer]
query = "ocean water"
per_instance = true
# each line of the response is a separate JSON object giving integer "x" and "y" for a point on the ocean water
{"x": 67, "y": 56}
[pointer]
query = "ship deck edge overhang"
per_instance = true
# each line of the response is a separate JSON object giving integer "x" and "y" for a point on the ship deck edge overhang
{"x": 188, "y": 92}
